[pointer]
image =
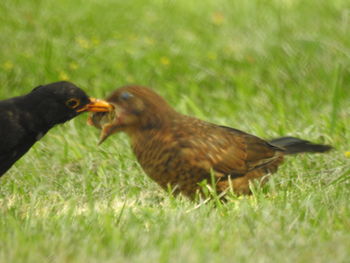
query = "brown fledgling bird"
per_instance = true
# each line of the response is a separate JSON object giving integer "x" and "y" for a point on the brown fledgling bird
{"x": 181, "y": 151}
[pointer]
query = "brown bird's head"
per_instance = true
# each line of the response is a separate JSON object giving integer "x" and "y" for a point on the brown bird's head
{"x": 135, "y": 108}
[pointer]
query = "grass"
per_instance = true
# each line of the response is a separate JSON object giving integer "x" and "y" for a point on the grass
{"x": 271, "y": 68}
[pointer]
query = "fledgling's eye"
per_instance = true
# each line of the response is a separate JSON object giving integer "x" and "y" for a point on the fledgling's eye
{"x": 73, "y": 103}
{"x": 125, "y": 96}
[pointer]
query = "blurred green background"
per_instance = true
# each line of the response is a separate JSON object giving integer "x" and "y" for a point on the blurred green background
{"x": 270, "y": 68}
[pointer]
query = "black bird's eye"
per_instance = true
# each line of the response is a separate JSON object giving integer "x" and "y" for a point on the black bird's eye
{"x": 73, "y": 103}
{"x": 125, "y": 96}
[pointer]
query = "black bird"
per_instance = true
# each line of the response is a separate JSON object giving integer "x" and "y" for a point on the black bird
{"x": 26, "y": 119}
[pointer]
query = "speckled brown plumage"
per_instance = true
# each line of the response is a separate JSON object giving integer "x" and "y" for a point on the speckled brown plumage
{"x": 181, "y": 152}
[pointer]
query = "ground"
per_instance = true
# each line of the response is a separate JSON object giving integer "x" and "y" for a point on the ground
{"x": 270, "y": 68}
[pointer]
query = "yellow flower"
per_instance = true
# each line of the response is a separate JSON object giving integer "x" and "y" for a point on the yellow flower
{"x": 119, "y": 65}
{"x": 165, "y": 61}
{"x": 63, "y": 75}
{"x": 8, "y": 65}
{"x": 132, "y": 37}
{"x": 83, "y": 43}
{"x": 212, "y": 56}
{"x": 347, "y": 154}
{"x": 217, "y": 18}
{"x": 130, "y": 51}
{"x": 149, "y": 41}
{"x": 28, "y": 54}
{"x": 130, "y": 79}
{"x": 73, "y": 66}
{"x": 250, "y": 59}
{"x": 95, "y": 41}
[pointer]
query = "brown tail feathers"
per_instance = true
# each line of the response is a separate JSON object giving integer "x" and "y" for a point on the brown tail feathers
{"x": 294, "y": 145}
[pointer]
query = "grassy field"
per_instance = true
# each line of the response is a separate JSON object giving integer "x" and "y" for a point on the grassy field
{"x": 271, "y": 68}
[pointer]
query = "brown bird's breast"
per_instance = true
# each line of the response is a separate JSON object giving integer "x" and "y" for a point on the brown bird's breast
{"x": 161, "y": 157}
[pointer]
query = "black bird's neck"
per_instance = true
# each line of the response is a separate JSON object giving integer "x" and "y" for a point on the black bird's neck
{"x": 35, "y": 116}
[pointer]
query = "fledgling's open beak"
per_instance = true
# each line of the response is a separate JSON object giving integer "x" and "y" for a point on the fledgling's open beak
{"x": 97, "y": 105}
{"x": 115, "y": 123}
{"x": 107, "y": 130}
{"x": 109, "y": 122}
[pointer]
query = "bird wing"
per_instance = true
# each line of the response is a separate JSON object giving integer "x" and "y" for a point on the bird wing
{"x": 227, "y": 151}
{"x": 15, "y": 139}
{"x": 8, "y": 158}
{"x": 253, "y": 152}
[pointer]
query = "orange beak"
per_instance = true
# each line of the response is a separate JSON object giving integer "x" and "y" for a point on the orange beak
{"x": 97, "y": 105}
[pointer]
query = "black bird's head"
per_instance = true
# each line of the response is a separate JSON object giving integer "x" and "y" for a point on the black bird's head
{"x": 61, "y": 101}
